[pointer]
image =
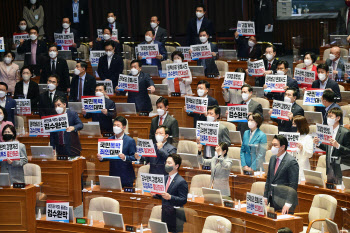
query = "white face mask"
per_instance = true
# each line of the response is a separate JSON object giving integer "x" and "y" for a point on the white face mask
{"x": 251, "y": 124}
{"x": 1, "y": 117}
{"x": 331, "y": 56}
{"x": 65, "y": 25}
{"x": 148, "y": 38}
{"x": 26, "y": 77}
{"x": 159, "y": 138}
{"x": 76, "y": 71}
{"x": 51, "y": 86}
{"x": 2, "y": 94}
{"x": 53, "y": 54}
{"x": 98, "y": 93}
{"x": 251, "y": 43}
{"x": 33, "y": 1}
{"x": 117, "y": 130}
{"x": 274, "y": 150}
{"x": 33, "y": 37}
{"x": 245, "y": 96}
{"x": 269, "y": 56}
{"x": 110, "y": 19}
{"x": 210, "y": 118}
{"x": 153, "y": 25}
{"x": 177, "y": 61}
{"x": 199, "y": 15}
{"x": 322, "y": 77}
{"x": 22, "y": 27}
{"x": 160, "y": 112}
{"x": 200, "y": 92}
{"x": 330, "y": 121}
{"x": 59, "y": 110}
{"x": 287, "y": 99}
{"x": 106, "y": 36}
{"x": 307, "y": 62}
{"x": 7, "y": 60}
{"x": 280, "y": 72}
{"x": 134, "y": 72}
{"x": 109, "y": 53}
{"x": 203, "y": 39}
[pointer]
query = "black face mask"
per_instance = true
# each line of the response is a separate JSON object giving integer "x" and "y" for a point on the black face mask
{"x": 7, "y": 137}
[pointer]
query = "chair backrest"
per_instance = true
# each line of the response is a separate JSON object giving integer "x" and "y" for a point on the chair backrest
{"x": 90, "y": 169}
{"x": 343, "y": 53}
{"x": 269, "y": 129}
{"x": 305, "y": 107}
{"x": 164, "y": 64}
{"x": 170, "y": 49}
{"x": 234, "y": 152}
{"x": 154, "y": 99}
{"x": 188, "y": 147}
{"x": 71, "y": 64}
{"x": 99, "y": 204}
{"x": 230, "y": 126}
{"x": 264, "y": 102}
{"x": 19, "y": 63}
{"x": 126, "y": 65}
{"x": 156, "y": 214}
{"x": 323, "y": 206}
{"x": 142, "y": 169}
{"x": 32, "y": 173}
{"x": 217, "y": 224}
{"x": 268, "y": 157}
{"x": 258, "y": 188}
{"x": 128, "y": 51}
{"x": 341, "y": 88}
{"x": 199, "y": 181}
{"x": 346, "y": 110}
{"x": 222, "y": 67}
{"x": 83, "y": 51}
{"x": 19, "y": 122}
{"x": 322, "y": 166}
{"x": 312, "y": 129}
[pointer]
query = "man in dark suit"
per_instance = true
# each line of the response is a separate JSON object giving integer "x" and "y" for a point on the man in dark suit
{"x": 56, "y": 65}
{"x": 108, "y": 113}
{"x": 342, "y": 24}
{"x": 99, "y": 44}
{"x": 253, "y": 106}
{"x": 263, "y": 16}
{"x": 338, "y": 153}
{"x": 46, "y": 105}
{"x": 195, "y": 25}
{"x": 141, "y": 98}
{"x": 290, "y": 96}
{"x": 203, "y": 87}
{"x": 247, "y": 48}
{"x": 161, "y": 33}
{"x": 36, "y": 48}
{"x": 165, "y": 119}
{"x": 337, "y": 64}
{"x": 163, "y": 150}
{"x": 113, "y": 24}
{"x": 78, "y": 11}
{"x": 83, "y": 84}
{"x": 7, "y": 102}
{"x": 324, "y": 82}
{"x": 111, "y": 65}
{"x": 283, "y": 170}
{"x": 66, "y": 29}
{"x": 270, "y": 63}
{"x": 67, "y": 142}
{"x": 149, "y": 39}
{"x": 122, "y": 167}
{"x": 328, "y": 97}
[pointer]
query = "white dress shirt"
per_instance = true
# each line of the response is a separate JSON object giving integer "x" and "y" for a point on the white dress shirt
{"x": 3, "y": 102}
{"x": 323, "y": 85}
{"x": 25, "y": 89}
{"x": 109, "y": 60}
{"x": 199, "y": 24}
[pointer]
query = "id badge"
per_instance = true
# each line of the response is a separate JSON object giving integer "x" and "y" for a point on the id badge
{"x": 75, "y": 14}
{"x": 82, "y": 12}
{"x": 36, "y": 17}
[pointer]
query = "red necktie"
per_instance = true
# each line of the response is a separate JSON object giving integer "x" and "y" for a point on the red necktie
{"x": 66, "y": 31}
{"x": 60, "y": 138}
{"x": 112, "y": 26}
{"x": 277, "y": 164}
{"x": 161, "y": 122}
{"x": 269, "y": 66}
{"x": 176, "y": 85}
{"x": 167, "y": 184}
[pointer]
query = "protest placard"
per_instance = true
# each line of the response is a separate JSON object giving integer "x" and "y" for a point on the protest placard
{"x": 2, "y": 44}
{"x": 246, "y": 28}
{"x": 108, "y": 86}
{"x": 281, "y": 109}
{"x": 145, "y": 148}
{"x": 209, "y": 133}
{"x": 201, "y": 51}
{"x": 36, "y": 128}
{"x": 113, "y": 37}
{"x": 233, "y": 80}
{"x": 196, "y": 104}
{"x": 305, "y": 78}
{"x": 57, "y": 211}
{"x": 9, "y": 150}
{"x": 256, "y": 68}
{"x": 65, "y": 40}
{"x": 55, "y": 123}
{"x": 324, "y": 133}
{"x": 293, "y": 140}
{"x": 186, "y": 52}
{"x": 110, "y": 148}
{"x": 93, "y": 104}
{"x": 19, "y": 36}
{"x": 275, "y": 83}
{"x": 128, "y": 83}
{"x": 177, "y": 70}
{"x": 312, "y": 97}
{"x": 147, "y": 51}
{"x": 23, "y": 107}
{"x": 237, "y": 112}
{"x": 152, "y": 183}
{"x": 95, "y": 56}
{"x": 255, "y": 204}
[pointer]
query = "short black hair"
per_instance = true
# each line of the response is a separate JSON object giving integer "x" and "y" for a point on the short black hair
{"x": 20, "y": 20}
{"x": 284, "y": 230}
{"x": 109, "y": 43}
{"x": 241, "y": 70}
{"x": 292, "y": 89}
{"x": 54, "y": 76}
{"x": 60, "y": 98}
{"x": 110, "y": 11}
{"x": 83, "y": 64}
{"x": 34, "y": 28}
{"x": 257, "y": 118}
{"x": 337, "y": 112}
{"x": 52, "y": 45}
{"x": 12, "y": 128}
{"x": 136, "y": 61}
{"x": 323, "y": 67}
{"x": 201, "y": 5}
{"x": 4, "y": 112}
{"x": 283, "y": 141}
{"x": 107, "y": 28}
{"x": 216, "y": 109}
{"x": 150, "y": 29}
{"x": 271, "y": 46}
{"x": 10, "y": 52}
{"x": 285, "y": 63}
{"x": 166, "y": 129}
{"x": 224, "y": 146}
{"x": 179, "y": 53}
{"x": 204, "y": 30}
{"x": 158, "y": 18}
{"x": 163, "y": 100}
{"x": 4, "y": 84}
{"x": 27, "y": 67}
{"x": 312, "y": 55}
{"x": 207, "y": 84}
{"x": 177, "y": 159}
{"x": 100, "y": 85}
{"x": 328, "y": 95}
{"x": 250, "y": 88}
{"x": 121, "y": 119}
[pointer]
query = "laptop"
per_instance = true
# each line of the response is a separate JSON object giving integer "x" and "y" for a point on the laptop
{"x": 158, "y": 227}
{"x": 197, "y": 70}
{"x": 314, "y": 178}
{"x": 161, "y": 89}
{"x": 65, "y": 54}
{"x": 91, "y": 129}
{"x": 42, "y": 88}
{"x": 346, "y": 181}
{"x": 235, "y": 137}
{"x": 125, "y": 108}
{"x": 151, "y": 70}
{"x": 113, "y": 219}
{"x": 42, "y": 152}
{"x": 313, "y": 117}
{"x": 193, "y": 159}
{"x": 332, "y": 227}
{"x": 110, "y": 182}
{"x": 338, "y": 40}
{"x": 75, "y": 106}
{"x": 212, "y": 196}
{"x": 5, "y": 180}
{"x": 187, "y": 133}
{"x": 236, "y": 166}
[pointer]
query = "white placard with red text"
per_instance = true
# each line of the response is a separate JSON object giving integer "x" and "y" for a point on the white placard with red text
{"x": 196, "y": 104}
{"x": 9, "y": 150}
{"x": 281, "y": 109}
{"x": 201, "y": 51}
{"x": 293, "y": 140}
{"x": 145, "y": 148}
{"x": 208, "y": 133}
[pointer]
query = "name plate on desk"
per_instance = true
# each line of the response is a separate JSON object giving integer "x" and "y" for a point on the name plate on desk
{"x": 330, "y": 186}
{"x": 176, "y": 94}
{"x": 248, "y": 173}
{"x": 81, "y": 220}
{"x": 36, "y": 112}
{"x": 129, "y": 190}
{"x": 143, "y": 113}
{"x": 229, "y": 204}
{"x": 211, "y": 75}
{"x": 19, "y": 185}
{"x": 108, "y": 135}
{"x": 62, "y": 157}
{"x": 206, "y": 168}
{"x": 130, "y": 228}
{"x": 272, "y": 215}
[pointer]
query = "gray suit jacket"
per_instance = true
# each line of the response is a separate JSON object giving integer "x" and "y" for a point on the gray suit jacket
{"x": 340, "y": 67}
{"x": 16, "y": 168}
{"x": 341, "y": 22}
{"x": 253, "y": 107}
{"x": 171, "y": 123}
{"x": 224, "y": 136}
{"x": 161, "y": 35}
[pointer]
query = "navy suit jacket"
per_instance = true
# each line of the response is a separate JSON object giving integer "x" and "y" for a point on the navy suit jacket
{"x": 71, "y": 139}
{"x": 201, "y": 117}
{"x": 106, "y": 121}
{"x": 161, "y": 35}
{"x": 10, "y": 109}
{"x": 209, "y": 63}
{"x": 155, "y": 61}
{"x": 141, "y": 98}
{"x": 89, "y": 87}
{"x": 244, "y": 49}
{"x": 330, "y": 84}
{"x": 46, "y": 106}
{"x": 157, "y": 164}
{"x": 124, "y": 169}
{"x": 192, "y": 33}
{"x": 62, "y": 71}
{"x": 178, "y": 189}
{"x": 115, "y": 69}
{"x": 100, "y": 45}
{"x": 325, "y": 114}
{"x": 286, "y": 126}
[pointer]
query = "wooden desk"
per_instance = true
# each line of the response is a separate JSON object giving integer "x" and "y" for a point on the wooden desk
{"x": 62, "y": 179}
{"x": 17, "y": 209}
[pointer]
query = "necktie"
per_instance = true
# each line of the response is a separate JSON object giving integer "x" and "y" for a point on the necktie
{"x": 60, "y": 137}
{"x": 161, "y": 122}
{"x": 277, "y": 164}
{"x": 53, "y": 67}
{"x": 112, "y": 26}
{"x": 269, "y": 66}
{"x": 80, "y": 89}
{"x": 50, "y": 97}
{"x": 66, "y": 31}
{"x": 176, "y": 85}
{"x": 167, "y": 184}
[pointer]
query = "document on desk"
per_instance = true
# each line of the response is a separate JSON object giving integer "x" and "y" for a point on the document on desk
{"x": 285, "y": 216}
